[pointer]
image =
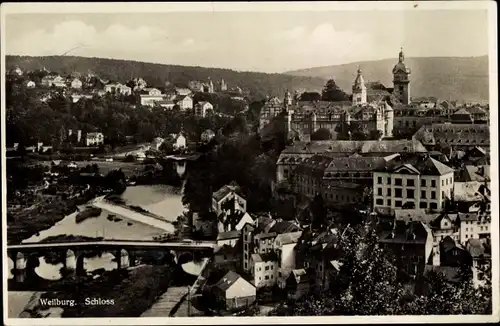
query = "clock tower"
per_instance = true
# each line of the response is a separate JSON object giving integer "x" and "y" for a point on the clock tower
{"x": 401, "y": 80}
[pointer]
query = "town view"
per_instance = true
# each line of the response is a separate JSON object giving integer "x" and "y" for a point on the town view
{"x": 140, "y": 189}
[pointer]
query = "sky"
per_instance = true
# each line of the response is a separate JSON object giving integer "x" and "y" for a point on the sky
{"x": 251, "y": 41}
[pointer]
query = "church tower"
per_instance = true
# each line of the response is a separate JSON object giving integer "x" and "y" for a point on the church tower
{"x": 288, "y": 101}
{"x": 359, "y": 90}
{"x": 401, "y": 80}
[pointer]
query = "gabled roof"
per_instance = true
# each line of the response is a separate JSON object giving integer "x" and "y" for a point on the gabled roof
{"x": 300, "y": 275}
{"x": 288, "y": 238}
{"x": 410, "y": 215}
{"x": 234, "y": 234}
{"x": 227, "y": 281}
{"x": 270, "y": 256}
{"x": 225, "y": 190}
{"x": 424, "y": 164}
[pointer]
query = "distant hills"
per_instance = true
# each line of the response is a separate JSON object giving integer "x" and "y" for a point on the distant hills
{"x": 463, "y": 79}
{"x": 258, "y": 84}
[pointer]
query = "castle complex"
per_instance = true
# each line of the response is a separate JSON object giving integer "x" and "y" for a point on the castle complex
{"x": 370, "y": 108}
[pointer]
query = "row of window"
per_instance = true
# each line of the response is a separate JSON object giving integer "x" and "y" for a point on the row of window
{"x": 411, "y": 182}
{"x": 399, "y": 204}
{"x": 410, "y": 193}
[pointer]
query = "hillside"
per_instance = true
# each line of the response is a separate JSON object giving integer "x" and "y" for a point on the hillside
{"x": 259, "y": 84}
{"x": 463, "y": 79}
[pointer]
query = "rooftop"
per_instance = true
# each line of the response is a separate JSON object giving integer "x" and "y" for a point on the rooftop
{"x": 234, "y": 234}
{"x": 227, "y": 281}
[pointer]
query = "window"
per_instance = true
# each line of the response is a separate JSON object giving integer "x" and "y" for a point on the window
{"x": 389, "y": 192}
{"x": 410, "y": 193}
{"x": 443, "y": 194}
{"x": 379, "y": 191}
{"x": 446, "y": 181}
{"x": 379, "y": 180}
{"x": 267, "y": 277}
{"x": 398, "y": 193}
{"x": 410, "y": 183}
{"x": 422, "y": 182}
{"x": 279, "y": 274}
{"x": 433, "y": 195}
{"x": 388, "y": 180}
{"x": 271, "y": 267}
{"x": 442, "y": 183}
{"x": 433, "y": 183}
{"x": 398, "y": 203}
{"x": 398, "y": 182}
{"x": 388, "y": 202}
{"x": 423, "y": 205}
{"x": 423, "y": 194}
{"x": 267, "y": 268}
{"x": 379, "y": 201}
{"x": 466, "y": 229}
{"x": 434, "y": 206}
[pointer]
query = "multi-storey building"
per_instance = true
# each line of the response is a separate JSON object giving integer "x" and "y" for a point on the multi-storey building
{"x": 457, "y": 136}
{"x": 296, "y": 154}
{"x": 419, "y": 181}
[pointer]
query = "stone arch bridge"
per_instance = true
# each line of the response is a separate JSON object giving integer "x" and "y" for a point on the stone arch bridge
{"x": 24, "y": 256}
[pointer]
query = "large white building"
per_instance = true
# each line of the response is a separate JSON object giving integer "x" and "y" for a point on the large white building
{"x": 417, "y": 182}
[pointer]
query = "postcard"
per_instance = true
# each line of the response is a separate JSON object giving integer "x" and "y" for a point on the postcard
{"x": 237, "y": 162}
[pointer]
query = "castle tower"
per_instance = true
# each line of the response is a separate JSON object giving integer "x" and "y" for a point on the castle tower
{"x": 223, "y": 86}
{"x": 359, "y": 90}
{"x": 389, "y": 120}
{"x": 401, "y": 80}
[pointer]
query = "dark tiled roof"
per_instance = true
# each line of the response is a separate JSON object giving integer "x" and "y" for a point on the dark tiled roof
{"x": 283, "y": 227}
{"x": 422, "y": 164}
{"x": 225, "y": 190}
{"x": 234, "y": 234}
{"x": 227, "y": 281}
{"x": 265, "y": 235}
{"x": 454, "y": 134}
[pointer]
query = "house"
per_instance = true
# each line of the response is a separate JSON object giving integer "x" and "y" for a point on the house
{"x": 182, "y": 91}
{"x": 228, "y": 199}
{"x": 207, "y": 136}
{"x": 94, "y": 139}
{"x": 413, "y": 182}
{"x": 284, "y": 247}
{"x": 468, "y": 173}
{"x": 166, "y": 104}
{"x": 117, "y": 88}
{"x": 298, "y": 284}
{"x": 227, "y": 257}
{"x": 411, "y": 243}
{"x": 229, "y": 238}
{"x": 233, "y": 292}
{"x": 179, "y": 141}
{"x": 151, "y": 91}
{"x": 445, "y": 225}
{"x": 201, "y": 108}
{"x": 151, "y": 100}
{"x": 475, "y": 225}
{"x": 76, "y": 83}
{"x": 453, "y": 254}
{"x": 30, "y": 84}
{"x": 264, "y": 269}
{"x": 53, "y": 81}
{"x": 185, "y": 102}
{"x": 480, "y": 251}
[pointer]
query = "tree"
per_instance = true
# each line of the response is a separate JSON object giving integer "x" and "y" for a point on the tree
{"x": 310, "y": 96}
{"x": 321, "y": 134}
{"x": 333, "y": 93}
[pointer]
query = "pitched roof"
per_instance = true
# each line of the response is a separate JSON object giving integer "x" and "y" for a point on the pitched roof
{"x": 227, "y": 281}
{"x": 288, "y": 238}
{"x": 234, "y": 234}
{"x": 467, "y": 191}
{"x": 265, "y": 235}
{"x": 454, "y": 134}
{"x": 410, "y": 215}
{"x": 225, "y": 190}
{"x": 423, "y": 164}
{"x": 270, "y": 256}
{"x": 283, "y": 227}
{"x": 300, "y": 275}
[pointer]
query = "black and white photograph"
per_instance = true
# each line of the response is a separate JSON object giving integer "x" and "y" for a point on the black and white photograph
{"x": 272, "y": 160}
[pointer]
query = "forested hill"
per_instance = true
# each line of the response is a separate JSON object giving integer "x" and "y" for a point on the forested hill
{"x": 259, "y": 84}
{"x": 459, "y": 78}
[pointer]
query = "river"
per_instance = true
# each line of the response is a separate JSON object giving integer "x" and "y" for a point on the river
{"x": 162, "y": 200}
